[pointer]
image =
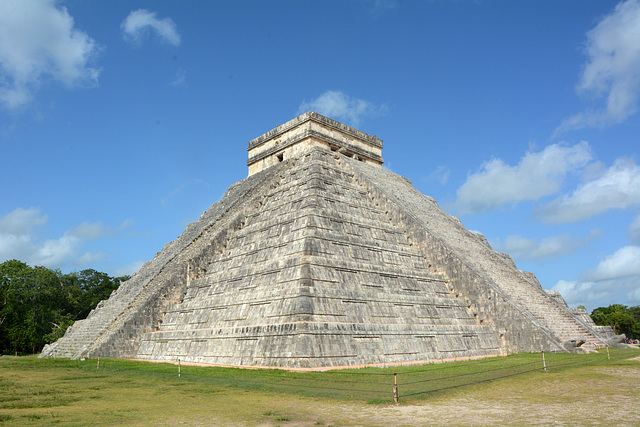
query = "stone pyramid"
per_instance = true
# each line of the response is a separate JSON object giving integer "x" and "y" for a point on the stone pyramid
{"x": 320, "y": 258}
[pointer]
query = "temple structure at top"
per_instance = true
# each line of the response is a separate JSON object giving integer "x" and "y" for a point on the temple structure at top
{"x": 312, "y": 130}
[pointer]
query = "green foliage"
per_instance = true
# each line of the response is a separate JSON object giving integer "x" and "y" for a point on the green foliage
{"x": 635, "y": 312}
{"x": 38, "y": 304}
{"x": 623, "y": 319}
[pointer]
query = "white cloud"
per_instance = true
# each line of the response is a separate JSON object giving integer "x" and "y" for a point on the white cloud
{"x": 16, "y": 228}
{"x": 523, "y": 248}
{"x": 19, "y": 239}
{"x": 634, "y": 231}
{"x": 537, "y": 175}
{"x": 54, "y": 252}
{"x": 22, "y": 221}
{"x": 38, "y": 41}
{"x": 15, "y": 246}
{"x": 616, "y": 279}
{"x": 339, "y": 106}
{"x": 586, "y": 293}
{"x": 617, "y": 188}
{"x": 139, "y": 23}
{"x": 594, "y": 294}
{"x": 625, "y": 262}
{"x": 613, "y": 68}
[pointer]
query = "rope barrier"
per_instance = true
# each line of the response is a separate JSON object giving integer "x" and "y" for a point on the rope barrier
{"x": 470, "y": 373}
{"x": 466, "y": 384}
{"x": 371, "y": 383}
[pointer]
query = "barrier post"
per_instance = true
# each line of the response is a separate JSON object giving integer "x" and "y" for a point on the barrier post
{"x": 178, "y": 367}
{"x": 608, "y": 356}
{"x": 544, "y": 363}
{"x": 395, "y": 388}
{"x": 98, "y": 367}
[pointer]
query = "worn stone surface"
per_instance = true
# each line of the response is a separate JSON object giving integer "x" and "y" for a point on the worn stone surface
{"x": 323, "y": 259}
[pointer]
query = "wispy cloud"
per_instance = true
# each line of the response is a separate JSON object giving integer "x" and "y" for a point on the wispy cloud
{"x": 617, "y": 188}
{"x": 614, "y": 280}
{"x": 539, "y": 174}
{"x": 577, "y": 292}
{"x": 141, "y": 22}
{"x": 522, "y": 248}
{"x": 38, "y": 42}
{"x": 339, "y": 106}
{"x": 22, "y": 221}
{"x": 440, "y": 174}
{"x": 381, "y": 6}
{"x": 612, "y": 71}
{"x": 181, "y": 77}
{"x": 129, "y": 269}
{"x": 20, "y": 239}
{"x": 625, "y": 262}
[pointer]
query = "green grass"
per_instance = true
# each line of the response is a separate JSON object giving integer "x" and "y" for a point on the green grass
{"x": 47, "y": 391}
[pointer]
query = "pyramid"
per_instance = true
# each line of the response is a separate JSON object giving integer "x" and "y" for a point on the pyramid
{"x": 320, "y": 258}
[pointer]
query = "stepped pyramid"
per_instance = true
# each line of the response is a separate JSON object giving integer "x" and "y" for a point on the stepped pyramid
{"x": 321, "y": 258}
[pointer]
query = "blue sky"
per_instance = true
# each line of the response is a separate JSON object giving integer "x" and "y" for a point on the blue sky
{"x": 122, "y": 121}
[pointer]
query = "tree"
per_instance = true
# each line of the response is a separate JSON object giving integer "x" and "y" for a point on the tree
{"x": 635, "y": 312}
{"x": 95, "y": 286}
{"x": 623, "y": 320}
{"x": 38, "y": 304}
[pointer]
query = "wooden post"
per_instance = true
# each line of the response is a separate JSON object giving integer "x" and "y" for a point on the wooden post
{"x": 98, "y": 367}
{"x": 544, "y": 362}
{"x": 178, "y": 367}
{"x": 395, "y": 388}
{"x": 608, "y": 355}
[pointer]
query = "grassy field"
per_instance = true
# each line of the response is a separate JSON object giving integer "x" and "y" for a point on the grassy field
{"x": 576, "y": 389}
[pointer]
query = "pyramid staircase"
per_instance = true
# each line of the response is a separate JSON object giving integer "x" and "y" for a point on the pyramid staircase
{"x": 113, "y": 327}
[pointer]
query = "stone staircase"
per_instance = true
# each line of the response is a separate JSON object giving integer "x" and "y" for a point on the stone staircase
{"x": 119, "y": 317}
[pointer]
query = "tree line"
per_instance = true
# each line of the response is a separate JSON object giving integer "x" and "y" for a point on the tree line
{"x": 38, "y": 304}
{"x": 623, "y": 319}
